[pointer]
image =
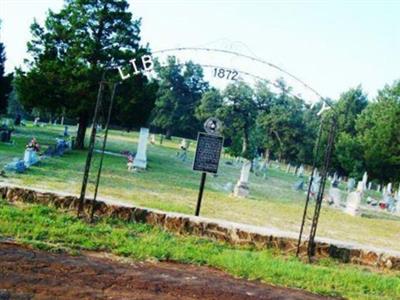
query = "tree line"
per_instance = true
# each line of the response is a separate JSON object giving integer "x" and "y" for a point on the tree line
{"x": 73, "y": 51}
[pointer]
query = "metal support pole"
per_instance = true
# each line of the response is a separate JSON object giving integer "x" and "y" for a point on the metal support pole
{"x": 202, "y": 182}
{"x": 102, "y": 150}
{"x": 91, "y": 148}
{"x": 318, "y": 202}
{"x": 316, "y": 152}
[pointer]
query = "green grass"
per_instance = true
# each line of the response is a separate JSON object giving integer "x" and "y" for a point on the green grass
{"x": 46, "y": 228}
{"x": 171, "y": 185}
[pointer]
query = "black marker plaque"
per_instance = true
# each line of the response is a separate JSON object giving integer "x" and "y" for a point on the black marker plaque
{"x": 208, "y": 152}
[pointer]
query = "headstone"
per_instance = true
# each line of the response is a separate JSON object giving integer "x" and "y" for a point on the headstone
{"x": 369, "y": 185}
{"x": 36, "y": 121}
{"x": 315, "y": 183}
{"x": 17, "y": 165}
{"x": 389, "y": 202}
{"x": 351, "y": 184}
{"x": 66, "y": 131}
{"x": 364, "y": 181}
{"x": 141, "y": 153}
{"x": 335, "y": 196}
{"x": 335, "y": 180}
{"x": 288, "y": 168}
{"x": 62, "y": 121}
{"x": 389, "y": 188}
{"x": 398, "y": 201}
{"x": 300, "y": 172}
{"x": 354, "y": 201}
{"x": 378, "y": 188}
{"x": 153, "y": 139}
{"x": 242, "y": 186}
{"x": 30, "y": 157}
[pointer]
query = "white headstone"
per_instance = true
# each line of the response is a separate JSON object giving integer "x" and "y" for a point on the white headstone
{"x": 369, "y": 185}
{"x": 300, "y": 171}
{"x": 389, "y": 188}
{"x": 153, "y": 138}
{"x": 354, "y": 200}
{"x": 30, "y": 157}
{"x": 365, "y": 180}
{"x": 242, "y": 186}
{"x": 288, "y": 168}
{"x": 379, "y": 188}
{"x": 140, "y": 160}
{"x": 335, "y": 196}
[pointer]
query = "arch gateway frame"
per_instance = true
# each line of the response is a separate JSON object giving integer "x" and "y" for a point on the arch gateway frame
{"x": 310, "y": 217}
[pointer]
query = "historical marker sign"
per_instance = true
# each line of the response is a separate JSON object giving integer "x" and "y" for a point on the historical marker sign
{"x": 208, "y": 152}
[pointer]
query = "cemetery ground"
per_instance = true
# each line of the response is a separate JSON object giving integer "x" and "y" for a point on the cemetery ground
{"x": 170, "y": 185}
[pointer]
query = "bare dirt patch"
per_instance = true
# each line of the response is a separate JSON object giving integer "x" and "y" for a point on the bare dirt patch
{"x": 33, "y": 274}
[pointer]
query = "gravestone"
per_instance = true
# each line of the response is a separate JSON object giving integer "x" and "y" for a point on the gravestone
{"x": 315, "y": 183}
{"x": 335, "y": 196}
{"x": 16, "y": 165}
{"x": 378, "y": 188}
{"x": 389, "y": 188}
{"x": 140, "y": 160}
{"x": 354, "y": 201}
{"x": 369, "y": 185}
{"x": 364, "y": 181}
{"x": 389, "y": 202}
{"x": 288, "y": 168}
{"x": 30, "y": 157}
{"x": 300, "y": 171}
{"x": 36, "y": 121}
{"x": 66, "y": 131}
{"x": 153, "y": 139}
{"x": 351, "y": 184}
{"x": 242, "y": 186}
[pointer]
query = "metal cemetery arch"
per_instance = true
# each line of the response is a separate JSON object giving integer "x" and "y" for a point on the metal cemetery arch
{"x": 331, "y": 124}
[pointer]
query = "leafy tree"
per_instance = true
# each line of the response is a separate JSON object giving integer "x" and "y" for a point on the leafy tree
{"x": 15, "y": 107}
{"x": 5, "y": 80}
{"x": 239, "y": 114}
{"x": 346, "y": 158}
{"x": 283, "y": 120}
{"x": 71, "y": 53}
{"x": 379, "y": 134}
{"x": 180, "y": 90}
{"x": 210, "y": 103}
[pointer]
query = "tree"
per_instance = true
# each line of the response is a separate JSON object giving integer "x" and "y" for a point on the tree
{"x": 378, "y": 130}
{"x": 181, "y": 87}
{"x": 5, "y": 80}
{"x": 282, "y": 119}
{"x": 346, "y": 158}
{"x": 72, "y": 52}
{"x": 210, "y": 103}
{"x": 239, "y": 114}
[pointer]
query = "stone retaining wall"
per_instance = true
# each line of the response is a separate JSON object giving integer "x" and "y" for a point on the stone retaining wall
{"x": 233, "y": 233}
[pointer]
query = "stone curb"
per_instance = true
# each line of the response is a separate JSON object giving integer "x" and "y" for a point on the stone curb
{"x": 229, "y": 232}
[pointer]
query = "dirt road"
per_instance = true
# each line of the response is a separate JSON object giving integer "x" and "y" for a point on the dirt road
{"x": 34, "y": 274}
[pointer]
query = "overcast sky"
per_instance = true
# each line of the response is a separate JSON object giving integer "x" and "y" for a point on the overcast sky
{"x": 331, "y": 45}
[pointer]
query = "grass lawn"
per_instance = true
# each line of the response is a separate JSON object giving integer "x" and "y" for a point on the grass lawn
{"x": 45, "y": 228}
{"x": 170, "y": 184}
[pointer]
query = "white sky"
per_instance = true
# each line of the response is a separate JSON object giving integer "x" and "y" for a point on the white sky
{"x": 331, "y": 45}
